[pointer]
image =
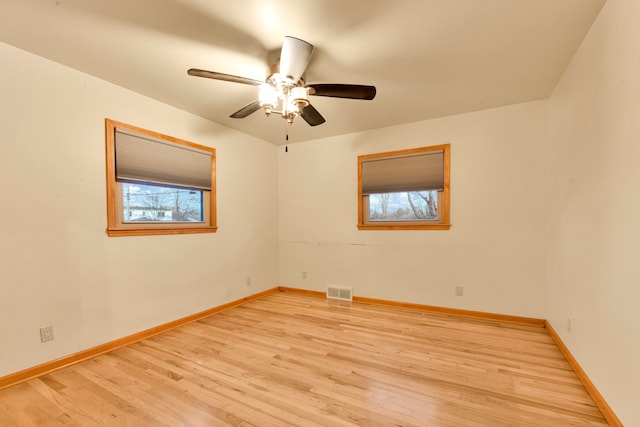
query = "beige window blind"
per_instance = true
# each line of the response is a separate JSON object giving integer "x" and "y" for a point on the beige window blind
{"x": 143, "y": 158}
{"x": 411, "y": 172}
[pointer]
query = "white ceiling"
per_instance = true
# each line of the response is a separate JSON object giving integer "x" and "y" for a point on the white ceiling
{"x": 427, "y": 58}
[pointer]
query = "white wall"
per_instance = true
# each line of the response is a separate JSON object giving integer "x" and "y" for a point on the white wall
{"x": 594, "y": 211}
{"x": 57, "y": 265}
{"x": 545, "y": 210}
{"x": 495, "y": 247}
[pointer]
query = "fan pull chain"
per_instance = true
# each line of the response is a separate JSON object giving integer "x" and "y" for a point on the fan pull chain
{"x": 286, "y": 138}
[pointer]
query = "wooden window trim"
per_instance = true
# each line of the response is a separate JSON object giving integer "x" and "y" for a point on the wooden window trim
{"x": 443, "y": 199}
{"x": 113, "y": 226}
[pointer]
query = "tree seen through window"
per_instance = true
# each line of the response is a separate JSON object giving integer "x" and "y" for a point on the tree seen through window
{"x": 403, "y": 206}
{"x": 151, "y": 203}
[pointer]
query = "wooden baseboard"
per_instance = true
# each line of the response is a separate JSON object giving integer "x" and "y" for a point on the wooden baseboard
{"x": 54, "y": 365}
{"x": 504, "y": 318}
{"x": 302, "y": 291}
{"x": 530, "y": 321}
{"x": 602, "y": 404}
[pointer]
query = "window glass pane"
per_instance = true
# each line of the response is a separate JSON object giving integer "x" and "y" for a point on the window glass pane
{"x": 404, "y": 206}
{"x": 157, "y": 203}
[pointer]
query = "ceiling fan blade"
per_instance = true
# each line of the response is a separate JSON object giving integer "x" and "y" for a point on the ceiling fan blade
{"x": 246, "y": 110}
{"x": 343, "y": 91}
{"x": 225, "y": 77}
{"x": 294, "y": 57}
{"x": 312, "y": 116}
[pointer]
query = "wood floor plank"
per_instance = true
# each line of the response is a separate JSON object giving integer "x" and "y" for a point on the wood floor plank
{"x": 291, "y": 359}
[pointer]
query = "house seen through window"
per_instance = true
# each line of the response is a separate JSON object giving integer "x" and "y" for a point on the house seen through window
{"x": 149, "y": 203}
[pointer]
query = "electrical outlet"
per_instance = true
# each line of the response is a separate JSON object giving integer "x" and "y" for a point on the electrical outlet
{"x": 570, "y": 323}
{"x": 248, "y": 281}
{"x": 304, "y": 274}
{"x": 459, "y": 291}
{"x": 46, "y": 334}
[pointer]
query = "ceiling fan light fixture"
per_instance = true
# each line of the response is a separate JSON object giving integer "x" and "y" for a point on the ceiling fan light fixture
{"x": 268, "y": 98}
{"x": 299, "y": 97}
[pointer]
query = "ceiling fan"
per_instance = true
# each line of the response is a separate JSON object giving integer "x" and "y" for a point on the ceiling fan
{"x": 284, "y": 91}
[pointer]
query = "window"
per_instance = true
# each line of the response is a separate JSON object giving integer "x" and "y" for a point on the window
{"x": 404, "y": 190}
{"x": 157, "y": 184}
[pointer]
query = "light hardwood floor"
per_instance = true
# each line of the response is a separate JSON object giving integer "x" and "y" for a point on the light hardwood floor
{"x": 292, "y": 359}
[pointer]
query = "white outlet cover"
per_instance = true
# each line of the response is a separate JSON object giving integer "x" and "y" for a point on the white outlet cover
{"x": 46, "y": 334}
